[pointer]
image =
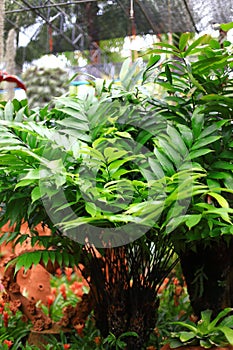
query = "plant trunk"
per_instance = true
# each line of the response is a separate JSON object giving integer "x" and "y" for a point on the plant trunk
{"x": 123, "y": 300}
{"x": 124, "y": 281}
{"x": 208, "y": 271}
{"x": 129, "y": 310}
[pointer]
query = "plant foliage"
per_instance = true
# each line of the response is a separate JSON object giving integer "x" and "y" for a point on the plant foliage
{"x": 127, "y": 167}
{"x": 207, "y": 332}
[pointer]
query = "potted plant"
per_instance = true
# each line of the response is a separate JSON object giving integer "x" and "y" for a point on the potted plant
{"x": 197, "y": 90}
{"x": 118, "y": 174}
{"x": 99, "y": 191}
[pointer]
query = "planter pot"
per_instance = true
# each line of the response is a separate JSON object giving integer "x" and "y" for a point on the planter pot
{"x": 41, "y": 339}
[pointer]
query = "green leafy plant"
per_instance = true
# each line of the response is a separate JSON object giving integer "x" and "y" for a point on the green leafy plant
{"x": 118, "y": 343}
{"x": 196, "y": 97}
{"x": 83, "y": 141}
{"x": 13, "y": 329}
{"x": 207, "y": 332}
{"x": 121, "y": 177}
{"x": 197, "y": 94}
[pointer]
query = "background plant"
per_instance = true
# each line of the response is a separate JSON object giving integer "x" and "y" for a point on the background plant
{"x": 43, "y": 84}
{"x": 13, "y": 329}
{"x": 174, "y": 306}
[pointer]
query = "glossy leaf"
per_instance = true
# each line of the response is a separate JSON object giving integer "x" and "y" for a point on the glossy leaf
{"x": 220, "y": 315}
{"x": 228, "y": 333}
{"x": 200, "y": 41}
{"x": 91, "y": 208}
{"x": 36, "y": 194}
{"x": 197, "y": 121}
{"x": 192, "y": 220}
{"x": 220, "y": 199}
{"x": 199, "y": 153}
{"x": 166, "y": 164}
{"x": 183, "y": 41}
{"x": 204, "y": 142}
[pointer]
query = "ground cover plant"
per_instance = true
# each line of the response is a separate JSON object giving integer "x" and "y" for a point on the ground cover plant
{"x": 123, "y": 178}
{"x": 207, "y": 332}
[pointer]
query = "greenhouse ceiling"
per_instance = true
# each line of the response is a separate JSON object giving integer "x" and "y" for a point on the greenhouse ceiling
{"x": 75, "y": 24}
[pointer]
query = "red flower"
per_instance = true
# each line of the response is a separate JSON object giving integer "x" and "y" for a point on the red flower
{"x": 66, "y": 346}
{"x": 163, "y": 285}
{"x": 5, "y": 318}
{"x": 54, "y": 291}
{"x": 50, "y": 300}
{"x": 63, "y": 291}
{"x": 68, "y": 272}
{"x": 9, "y": 343}
{"x": 59, "y": 272}
{"x": 79, "y": 328}
{"x": 76, "y": 285}
{"x": 178, "y": 290}
{"x": 176, "y": 282}
{"x": 77, "y": 289}
{"x": 97, "y": 340}
{"x": 1, "y": 308}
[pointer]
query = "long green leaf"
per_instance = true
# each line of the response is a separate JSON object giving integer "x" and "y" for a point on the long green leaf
{"x": 203, "y": 142}
{"x": 197, "y": 121}
{"x": 183, "y": 41}
{"x": 220, "y": 199}
{"x": 228, "y": 332}
{"x": 201, "y": 40}
{"x": 220, "y": 315}
{"x": 191, "y": 326}
{"x": 199, "y": 152}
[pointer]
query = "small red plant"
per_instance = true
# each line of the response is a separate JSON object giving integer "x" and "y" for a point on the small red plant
{"x": 5, "y": 318}
{"x": 97, "y": 340}
{"x": 77, "y": 289}
{"x": 63, "y": 291}
{"x": 68, "y": 272}
{"x": 9, "y": 343}
{"x": 79, "y": 328}
{"x": 1, "y": 308}
{"x": 163, "y": 285}
{"x": 59, "y": 272}
{"x": 50, "y": 301}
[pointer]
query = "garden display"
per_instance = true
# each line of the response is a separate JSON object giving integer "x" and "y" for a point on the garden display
{"x": 130, "y": 180}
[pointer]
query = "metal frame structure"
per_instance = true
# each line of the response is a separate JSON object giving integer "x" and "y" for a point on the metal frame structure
{"x": 148, "y": 16}
{"x": 76, "y": 41}
{"x": 160, "y": 16}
